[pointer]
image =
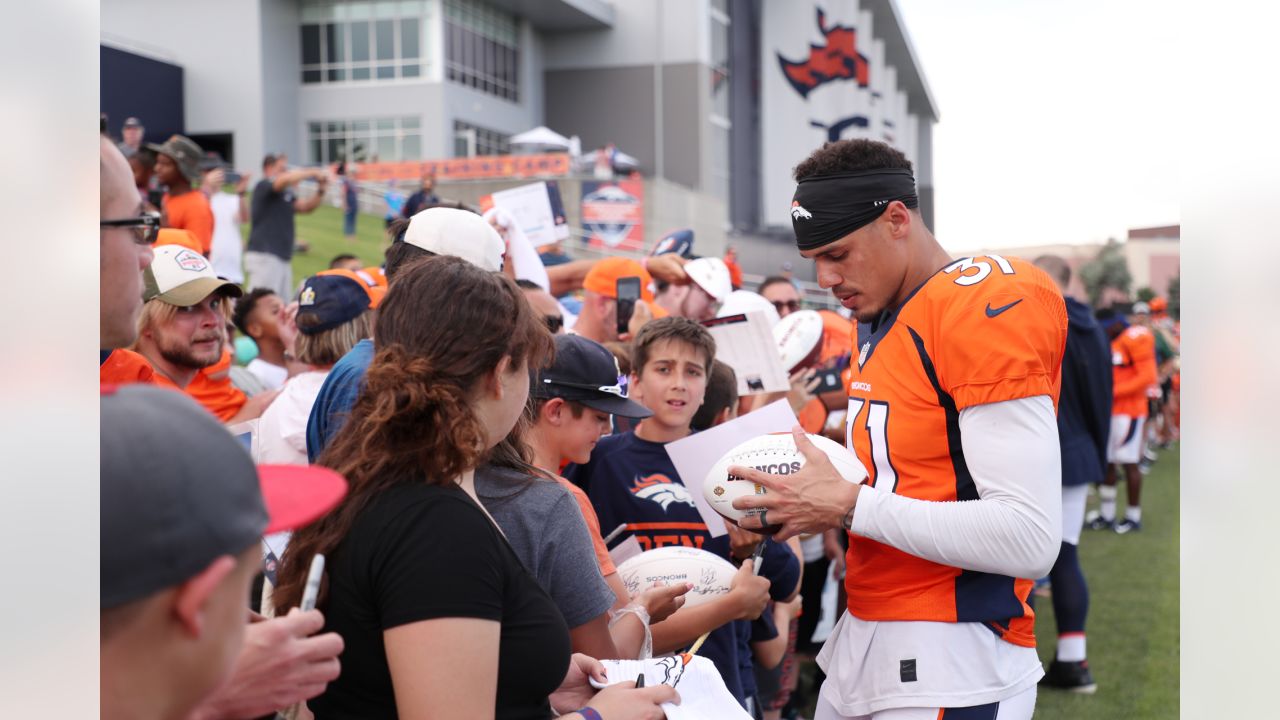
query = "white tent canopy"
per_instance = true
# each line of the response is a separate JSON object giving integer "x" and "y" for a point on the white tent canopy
{"x": 541, "y": 135}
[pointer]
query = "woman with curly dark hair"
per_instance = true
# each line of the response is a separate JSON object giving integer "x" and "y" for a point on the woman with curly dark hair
{"x": 439, "y": 618}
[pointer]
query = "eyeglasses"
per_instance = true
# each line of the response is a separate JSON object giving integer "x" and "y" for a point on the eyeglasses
{"x": 786, "y": 305}
{"x": 620, "y": 389}
{"x": 146, "y": 227}
{"x": 554, "y": 322}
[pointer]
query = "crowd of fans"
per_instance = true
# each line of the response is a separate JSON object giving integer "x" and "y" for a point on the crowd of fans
{"x": 457, "y": 443}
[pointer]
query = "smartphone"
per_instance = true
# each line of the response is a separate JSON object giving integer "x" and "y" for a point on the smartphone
{"x": 628, "y": 293}
{"x": 312, "y": 590}
{"x": 828, "y": 380}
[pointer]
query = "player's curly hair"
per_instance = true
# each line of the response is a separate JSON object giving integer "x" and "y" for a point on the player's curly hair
{"x": 442, "y": 328}
{"x": 851, "y": 156}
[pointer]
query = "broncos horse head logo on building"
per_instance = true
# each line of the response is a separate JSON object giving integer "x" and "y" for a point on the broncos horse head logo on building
{"x": 837, "y": 59}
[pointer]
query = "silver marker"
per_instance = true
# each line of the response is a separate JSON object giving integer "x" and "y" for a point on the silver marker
{"x": 313, "y": 583}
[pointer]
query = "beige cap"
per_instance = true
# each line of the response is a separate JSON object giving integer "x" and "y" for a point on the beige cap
{"x": 183, "y": 277}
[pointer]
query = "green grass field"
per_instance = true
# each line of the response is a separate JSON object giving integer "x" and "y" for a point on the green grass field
{"x": 1133, "y": 614}
{"x": 322, "y": 232}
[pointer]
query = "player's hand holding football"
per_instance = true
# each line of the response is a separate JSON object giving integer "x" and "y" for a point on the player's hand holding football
{"x": 812, "y": 500}
{"x": 750, "y": 591}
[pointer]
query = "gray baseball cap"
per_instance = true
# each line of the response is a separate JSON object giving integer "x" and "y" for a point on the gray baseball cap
{"x": 178, "y": 491}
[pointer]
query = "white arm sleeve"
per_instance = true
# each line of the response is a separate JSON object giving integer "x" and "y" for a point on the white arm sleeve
{"x": 1015, "y": 527}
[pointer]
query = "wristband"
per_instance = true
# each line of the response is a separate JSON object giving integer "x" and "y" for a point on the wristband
{"x": 646, "y": 649}
{"x": 590, "y": 713}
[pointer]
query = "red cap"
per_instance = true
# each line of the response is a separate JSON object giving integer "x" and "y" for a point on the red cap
{"x": 295, "y": 495}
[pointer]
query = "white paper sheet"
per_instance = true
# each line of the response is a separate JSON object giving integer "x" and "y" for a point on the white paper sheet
{"x": 745, "y": 343}
{"x": 703, "y": 695}
{"x": 695, "y": 455}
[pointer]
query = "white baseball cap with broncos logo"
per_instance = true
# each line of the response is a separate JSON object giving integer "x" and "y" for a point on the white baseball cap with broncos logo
{"x": 181, "y": 276}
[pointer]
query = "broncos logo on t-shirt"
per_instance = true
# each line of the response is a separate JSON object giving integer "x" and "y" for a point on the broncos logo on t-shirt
{"x": 661, "y": 489}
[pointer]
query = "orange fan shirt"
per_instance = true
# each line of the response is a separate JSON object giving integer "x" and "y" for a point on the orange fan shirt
{"x": 981, "y": 330}
{"x": 593, "y": 526}
{"x": 1133, "y": 371}
{"x": 191, "y": 211}
{"x": 212, "y": 388}
{"x": 125, "y": 367}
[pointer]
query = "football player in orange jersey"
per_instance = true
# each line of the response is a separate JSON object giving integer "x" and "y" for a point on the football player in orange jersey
{"x": 952, "y": 401}
{"x": 1133, "y": 361}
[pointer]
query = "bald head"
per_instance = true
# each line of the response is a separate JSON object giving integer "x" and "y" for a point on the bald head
{"x": 1057, "y": 268}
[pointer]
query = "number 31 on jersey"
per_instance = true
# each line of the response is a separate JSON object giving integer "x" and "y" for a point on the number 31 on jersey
{"x": 876, "y": 421}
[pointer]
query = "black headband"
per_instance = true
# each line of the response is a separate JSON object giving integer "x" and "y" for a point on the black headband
{"x": 825, "y": 208}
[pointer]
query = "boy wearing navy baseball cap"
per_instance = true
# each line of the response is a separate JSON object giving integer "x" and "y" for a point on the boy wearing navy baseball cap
{"x": 573, "y": 401}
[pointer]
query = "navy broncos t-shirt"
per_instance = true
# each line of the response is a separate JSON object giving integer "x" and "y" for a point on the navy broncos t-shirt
{"x": 633, "y": 482}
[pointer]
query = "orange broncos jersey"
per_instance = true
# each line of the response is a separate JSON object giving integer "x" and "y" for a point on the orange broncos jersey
{"x": 1133, "y": 371}
{"x": 981, "y": 330}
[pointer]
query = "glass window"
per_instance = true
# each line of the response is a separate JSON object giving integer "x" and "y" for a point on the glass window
{"x": 386, "y": 148}
{"x": 333, "y": 43}
{"x": 482, "y": 48}
{"x": 409, "y": 38}
{"x": 337, "y": 150}
{"x": 359, "y": 42}
{"x": 310, "y": 44}
{"x": 411, "y": 147}
{"x": 385, "y": 31}
{"x": 317, "y": 147}
{"x": 410, "y": 122}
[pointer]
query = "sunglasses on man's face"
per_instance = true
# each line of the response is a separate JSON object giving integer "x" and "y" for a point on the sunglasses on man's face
{"x": 554, "y": 323}
{"x": 789, "y": 306}
{"x": 146, "y": 227}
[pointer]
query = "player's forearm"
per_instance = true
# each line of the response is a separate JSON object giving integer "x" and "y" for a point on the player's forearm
{"x": 1015, "y": 527}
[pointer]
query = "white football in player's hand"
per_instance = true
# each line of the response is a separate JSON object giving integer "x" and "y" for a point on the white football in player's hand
{"x": 774, "y": 454}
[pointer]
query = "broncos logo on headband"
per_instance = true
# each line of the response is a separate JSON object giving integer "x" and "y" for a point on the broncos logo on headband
{"x": 837, "y": 59}
{"x": 661, "y": 489}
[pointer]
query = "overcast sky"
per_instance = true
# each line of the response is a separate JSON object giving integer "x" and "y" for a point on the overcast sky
{"x": 1056, "y": 117}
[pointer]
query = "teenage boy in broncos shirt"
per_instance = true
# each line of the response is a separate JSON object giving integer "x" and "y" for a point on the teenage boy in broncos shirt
{"x": 631, "y": 480}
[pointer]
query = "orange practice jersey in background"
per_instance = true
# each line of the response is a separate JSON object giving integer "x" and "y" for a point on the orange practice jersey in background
{"x": 982, "y": 330}
{"x": 1133, "y": 371}
{"x": 837, "y": 338}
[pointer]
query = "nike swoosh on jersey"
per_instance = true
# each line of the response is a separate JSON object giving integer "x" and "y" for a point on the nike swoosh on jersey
{"x": 996, "y": 311}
